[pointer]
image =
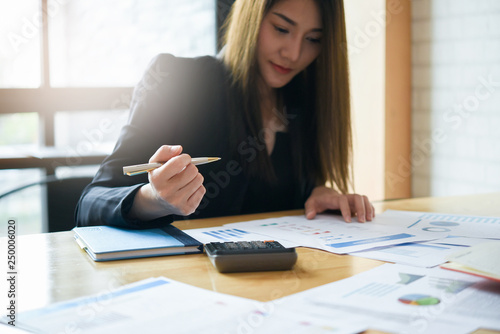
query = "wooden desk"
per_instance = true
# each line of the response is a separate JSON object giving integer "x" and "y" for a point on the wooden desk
{"x": 52, "y": 267}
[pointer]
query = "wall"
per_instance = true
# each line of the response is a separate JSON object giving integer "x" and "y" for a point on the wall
{"x": 365, "y": 20}
{"x": 398, "y": 99}
{"x": 456, "y": 97}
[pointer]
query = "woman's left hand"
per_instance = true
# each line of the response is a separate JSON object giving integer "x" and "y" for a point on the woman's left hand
{"x": 323, "y": 198}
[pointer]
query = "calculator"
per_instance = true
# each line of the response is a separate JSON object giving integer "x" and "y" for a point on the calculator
{"x": 243, "y": 256}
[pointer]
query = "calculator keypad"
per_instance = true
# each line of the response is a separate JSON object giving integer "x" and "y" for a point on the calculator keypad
{"x": 244, "y": 247}
{"x": 250, "y": 256}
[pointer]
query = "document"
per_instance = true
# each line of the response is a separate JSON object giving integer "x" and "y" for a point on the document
{"x": 407, "y": 299}
{"x": 421, "y": 254}
{"x": 156, "y": 305}
{"x": 373, "y": 320}
{"x": 160, "y": 305}
{"x": 333, "y": 234}
{"x": 281, "y": 319}
{"x": 456, "y": 225}
{"x": 9, "y": 329}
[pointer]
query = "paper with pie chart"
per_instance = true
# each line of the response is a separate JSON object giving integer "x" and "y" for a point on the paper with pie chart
{"x": 457, "y": 225}
{"x": 404, "y": 294}
{"x": 402, "y": 291}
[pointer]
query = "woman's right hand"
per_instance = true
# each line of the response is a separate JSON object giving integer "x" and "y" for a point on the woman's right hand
{"x": 174, "y": 188}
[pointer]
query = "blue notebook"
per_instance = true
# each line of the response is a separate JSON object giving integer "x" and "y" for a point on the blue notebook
{"x": 105, "y": 243}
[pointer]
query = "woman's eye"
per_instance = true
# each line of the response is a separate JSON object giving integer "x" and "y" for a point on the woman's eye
{"x": 280, "y": 30}
{"x": 314, "y": 40}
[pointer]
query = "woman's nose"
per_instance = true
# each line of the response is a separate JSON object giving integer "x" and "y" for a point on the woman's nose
{"x": 292, "y": 49}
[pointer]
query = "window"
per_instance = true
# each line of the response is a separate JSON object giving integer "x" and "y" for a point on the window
{"x": 24, "y": 205}
{"x": 67, "y": 71}
{"x": 110, "y": 43}
{"x": 19, "y": 129}
{"x": 20, "y": 59}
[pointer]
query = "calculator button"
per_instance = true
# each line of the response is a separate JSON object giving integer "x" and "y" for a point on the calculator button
{"x": 217, "y": 245}
{"x": 230, "y": 245}
{"x": 246, "y": 245}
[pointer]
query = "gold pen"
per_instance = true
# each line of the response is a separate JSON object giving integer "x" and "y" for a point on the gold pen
{"x": 144, "y": 168}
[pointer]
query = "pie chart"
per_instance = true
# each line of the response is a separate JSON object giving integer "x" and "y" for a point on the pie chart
{"x": 419, "y": 299}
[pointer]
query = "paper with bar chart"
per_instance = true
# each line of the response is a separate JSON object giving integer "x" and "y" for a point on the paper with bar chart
{"x": 223, "y": 234}
{"x": 333, "y": 234}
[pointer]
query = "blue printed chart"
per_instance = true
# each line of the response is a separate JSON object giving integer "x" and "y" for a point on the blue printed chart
{"x": 227, "y": 234}
{"x": 457, "y": 225}
{"x": 332, "y": 234}
{"x": 223, "y": 234}
{"x": 426, "y": 254}
{"x": 396, "y": 296}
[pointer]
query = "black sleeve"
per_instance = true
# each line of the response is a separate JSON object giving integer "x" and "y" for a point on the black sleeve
{"x": 157, "y": 108}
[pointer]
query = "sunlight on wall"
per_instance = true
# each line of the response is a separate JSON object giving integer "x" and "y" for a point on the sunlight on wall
{"x": 365, "y": 21}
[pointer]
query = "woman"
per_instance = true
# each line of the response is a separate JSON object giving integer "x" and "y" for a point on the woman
{"x": 275, "y": 109}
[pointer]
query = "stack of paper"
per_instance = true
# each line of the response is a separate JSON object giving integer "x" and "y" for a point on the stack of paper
{"x": 330, "y": 233}
{"x": 414, "y": 238}
{"x": 463, "y": 231}
{"x": 392, "y": 297}
{"x": 397, "y": 298}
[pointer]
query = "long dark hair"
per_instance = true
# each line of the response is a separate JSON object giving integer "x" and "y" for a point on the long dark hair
{"x": 321, "y": 128}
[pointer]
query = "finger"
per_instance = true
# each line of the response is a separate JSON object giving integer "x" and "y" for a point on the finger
{"x": 195, "y": 199}
{"x": 179, "y": 198}
{"x": 185, "y": 194}
{"x": 184, "y": 177}
{"x": 345, "y": 209}
{"x": 360, "y": 208}
{"x": 311, "y": 214}
{"x": 310, "y": 208}
{"x": 165, "y": 153}
{"x": 369, "y": 209}
{"x": 174, "y": 166}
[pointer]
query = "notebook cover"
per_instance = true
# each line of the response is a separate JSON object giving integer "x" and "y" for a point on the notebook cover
{"x": 108, "y": 239}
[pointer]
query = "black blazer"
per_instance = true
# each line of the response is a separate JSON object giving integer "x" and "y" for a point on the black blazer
{"x": 179, "y": 101}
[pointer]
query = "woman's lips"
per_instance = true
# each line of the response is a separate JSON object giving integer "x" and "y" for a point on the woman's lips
{"x": 280, "y": 69}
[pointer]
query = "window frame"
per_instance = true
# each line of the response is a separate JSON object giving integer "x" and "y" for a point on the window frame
{"x": 46, "y": 101}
